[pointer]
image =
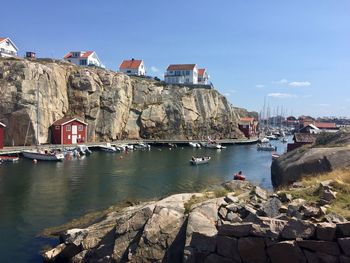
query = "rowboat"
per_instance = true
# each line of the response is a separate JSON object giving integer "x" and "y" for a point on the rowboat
{"x": 43, "y": 156}
{"x": 200, "y": 160}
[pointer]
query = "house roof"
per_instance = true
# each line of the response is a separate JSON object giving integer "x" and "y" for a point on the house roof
{"x": 133, "y": 63}
{"x": 7, "y": 38}
{"x": 181, "y": 67}
{"x": 247, "y": 119}
{"x": 201, "y": 71}
{"x": 304, "y": 137}
{"x": 325, "y": 125}
{"x": 3, "y": 125}
{"x": 83, "y": 54}
{"x": 66, "y": 120}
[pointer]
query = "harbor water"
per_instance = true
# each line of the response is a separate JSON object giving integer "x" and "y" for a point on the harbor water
{"x": 37, "y": 196}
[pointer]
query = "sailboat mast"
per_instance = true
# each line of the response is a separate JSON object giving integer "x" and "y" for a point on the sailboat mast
{"x": 37, "y": 115}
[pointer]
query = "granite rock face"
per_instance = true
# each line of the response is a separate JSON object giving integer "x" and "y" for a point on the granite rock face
{"x": 114, "y": 105}
{"x": 290, "y": 167}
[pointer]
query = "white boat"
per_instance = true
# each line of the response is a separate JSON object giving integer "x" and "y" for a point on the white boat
{"x": 142, "y": 146}
{"x": 266, "y": 147}
{"x": 194, "y": 145}
{"x": 43, "y": 156}
{"x": 275, "y": 156}
{"x": 83, "y": 149}
{"x": 264, "y": 140}
{"x": 200, "y": 160}
{"x": 272, "y": 137}
{"x": 108, "y": 148}
{"x": 284, "y": 139}
{"x": 212, "y": 145}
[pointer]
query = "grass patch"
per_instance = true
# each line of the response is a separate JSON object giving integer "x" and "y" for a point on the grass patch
{"x": 341, "y": 184}
{"x": 195, "y": 199}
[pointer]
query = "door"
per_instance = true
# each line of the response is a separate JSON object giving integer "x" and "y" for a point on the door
{"x": 74, "y": 134}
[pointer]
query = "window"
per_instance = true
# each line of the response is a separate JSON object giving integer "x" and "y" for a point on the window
{"x": 171, "y": 72}
{"x": 83, "y": 62}
{"x": 80, "y": 128}
{"x": 177, "y": 73}
{"x": 187, "y": 72}
{"x": 68, "y": 128}
{"x": 57, "y": 127}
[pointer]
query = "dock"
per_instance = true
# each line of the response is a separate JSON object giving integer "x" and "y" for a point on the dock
{"x": 10, "y": 150}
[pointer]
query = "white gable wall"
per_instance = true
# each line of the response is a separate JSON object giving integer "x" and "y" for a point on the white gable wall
{"x": 7, "y": 49}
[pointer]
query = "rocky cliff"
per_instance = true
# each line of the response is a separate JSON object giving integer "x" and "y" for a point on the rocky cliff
{"x": 246, "y": 225}
{"x": 114, "y": 105}
{"x": 330, "y": 152}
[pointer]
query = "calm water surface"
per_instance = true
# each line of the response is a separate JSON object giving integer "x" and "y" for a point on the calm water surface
{"x": 34, "y": 197}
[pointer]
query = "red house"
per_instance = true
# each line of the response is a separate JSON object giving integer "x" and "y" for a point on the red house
{"x": 68, "y": 131}
{"x": 248, "y": 126}
{"x": 2, "y": 128}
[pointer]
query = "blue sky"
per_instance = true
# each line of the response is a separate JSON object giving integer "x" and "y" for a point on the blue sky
{"x": 296, "y": 54}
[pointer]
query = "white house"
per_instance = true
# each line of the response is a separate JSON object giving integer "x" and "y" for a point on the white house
{"x": 7, "y": 48}
{"x": 181, "y": 74}
{"x": 133, "y": 67}
{"x": 83, "y": 58}
{"x": 203, "y": 77}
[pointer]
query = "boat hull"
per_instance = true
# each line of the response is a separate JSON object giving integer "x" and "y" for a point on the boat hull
{"x": 43, "y": 156}
{"x": 197, "y": 161}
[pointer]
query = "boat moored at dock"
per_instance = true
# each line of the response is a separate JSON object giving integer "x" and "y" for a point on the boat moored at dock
{"x": 43, "y": 155}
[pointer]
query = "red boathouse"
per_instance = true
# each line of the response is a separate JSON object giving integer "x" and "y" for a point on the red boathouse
{"x": 68, "y": 131}
{"x": 2, "y": 139}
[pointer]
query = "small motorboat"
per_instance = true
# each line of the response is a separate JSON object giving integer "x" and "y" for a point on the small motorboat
{"x": 239, "y": 176}
{"x": 266, "y": 147}
{"x": 264, "y": 140}
{"x": 194, "y": 145}
{"x": 83, "y": 149}
{"x": 108, "y": 148}
{"x": 142, "y": 146}
{"x": 9, "y": 159}
{"x": 275, "y": 156}
{"x": 43, "y": 155}
{"x": 200, "y": 160}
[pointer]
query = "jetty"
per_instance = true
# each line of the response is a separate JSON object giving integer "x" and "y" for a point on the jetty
{"x": 154, "y": 142}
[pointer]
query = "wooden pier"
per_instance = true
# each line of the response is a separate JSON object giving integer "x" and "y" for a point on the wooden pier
{"x": 18, "y": 149}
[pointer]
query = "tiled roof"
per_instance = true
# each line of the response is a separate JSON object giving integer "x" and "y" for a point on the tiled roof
{"x": 325, "y": 125}
{"x": 246, "y": 119}
{"x": 2, "y": 39}
{"x": 181, "y": 67}
{"x": 304, "y": 137}
{"x": 201, "y": 71}
{"x": 83, "y": 54}
{"x": 1, "y": 124}
{"x": 133, "y": 63}
{"x": 67, "y": 120}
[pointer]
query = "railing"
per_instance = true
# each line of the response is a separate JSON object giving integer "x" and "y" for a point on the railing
{"x": 4, "y": 51}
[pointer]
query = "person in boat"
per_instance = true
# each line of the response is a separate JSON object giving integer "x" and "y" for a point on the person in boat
{"x": 193, "y": 158}
{"x": 239, "y": 176}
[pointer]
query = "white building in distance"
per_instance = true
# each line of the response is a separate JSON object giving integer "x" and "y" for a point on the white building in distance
{"x": 84, "y": 58}
{"x": 181, "y": 74}
{"x": 7, "y": 48}
{"x": 203, "y": 77}
{"x": 133, "y": 67}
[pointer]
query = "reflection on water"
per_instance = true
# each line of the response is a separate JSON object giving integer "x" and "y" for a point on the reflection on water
{"x": 34, "y": 197}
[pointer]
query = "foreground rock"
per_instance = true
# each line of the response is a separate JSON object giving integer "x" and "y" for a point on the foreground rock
{"x": 242, "y": 227}
{"x": 114, "y": 105}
